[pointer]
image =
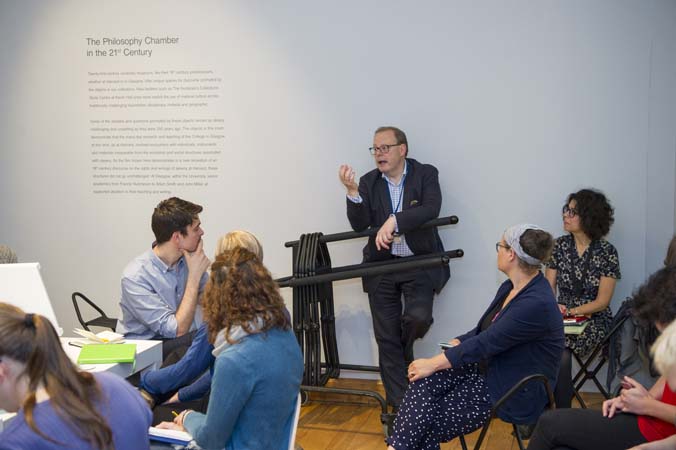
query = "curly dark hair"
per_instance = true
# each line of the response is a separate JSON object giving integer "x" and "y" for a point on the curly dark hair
{"x": 655, "y": 300}
{"x": 241, "y": 291}
{"x": 595, "y": 212}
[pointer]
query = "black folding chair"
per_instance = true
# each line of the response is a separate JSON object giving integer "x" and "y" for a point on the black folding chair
{"x": 505, "y": 398}
{"x": 591, "y": 366}
{"x": 102, "y": 321}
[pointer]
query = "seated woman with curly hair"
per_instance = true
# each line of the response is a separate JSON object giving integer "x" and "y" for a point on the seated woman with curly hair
{"x": 258, "y": 367}
{"x": 639, "y": 416}
{"x": 584, "y": 268}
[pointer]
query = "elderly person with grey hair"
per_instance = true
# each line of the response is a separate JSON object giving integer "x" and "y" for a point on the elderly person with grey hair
{"x": 520, "y": 334}
{"x": 7, "y": 255}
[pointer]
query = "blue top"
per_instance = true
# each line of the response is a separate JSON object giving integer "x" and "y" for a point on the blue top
{"x": 253, "y": 395}
{"x": 526, "y": 338}
{"x": 130, "y": 414}
{"x": 151, "y": 295}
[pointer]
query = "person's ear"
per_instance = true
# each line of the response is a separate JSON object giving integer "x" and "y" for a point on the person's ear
{"x": 5, "y": 370}
{"x": 176, "y": 237}
{"x": 403, "y": 149}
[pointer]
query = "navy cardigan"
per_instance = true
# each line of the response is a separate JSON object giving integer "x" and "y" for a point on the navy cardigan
{"x": 525, "y": 338}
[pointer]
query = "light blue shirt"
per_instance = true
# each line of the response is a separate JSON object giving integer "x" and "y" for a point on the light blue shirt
{"x": 399, "y": 246}
{"x": 151, "y": 295}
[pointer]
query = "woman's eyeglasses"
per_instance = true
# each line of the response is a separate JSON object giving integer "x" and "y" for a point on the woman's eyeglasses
{"x": 500, "y": 244}
{"x": 568, "y": 211}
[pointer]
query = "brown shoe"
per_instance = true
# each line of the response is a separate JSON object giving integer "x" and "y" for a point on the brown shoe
{"x": 148, "y": 397}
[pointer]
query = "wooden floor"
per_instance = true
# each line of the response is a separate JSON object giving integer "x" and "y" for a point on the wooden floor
{"x": 333, "y": 422}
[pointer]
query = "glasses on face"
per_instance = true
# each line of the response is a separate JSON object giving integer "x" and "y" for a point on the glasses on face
{"x": 568, "y": 211}
{"x": 383, "y": 149}
{"x": 500, "y": 244}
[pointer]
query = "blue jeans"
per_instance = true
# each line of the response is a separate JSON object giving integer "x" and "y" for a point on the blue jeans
{"x": 197, "y": 360}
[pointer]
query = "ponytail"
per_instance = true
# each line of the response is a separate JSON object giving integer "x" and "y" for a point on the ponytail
{"x": 32, "y": 340}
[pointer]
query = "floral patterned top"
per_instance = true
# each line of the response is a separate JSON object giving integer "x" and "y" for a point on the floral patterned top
{"x": 577, "y": 281}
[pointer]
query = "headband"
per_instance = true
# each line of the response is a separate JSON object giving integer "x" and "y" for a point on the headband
{"x": 513, "y": 239}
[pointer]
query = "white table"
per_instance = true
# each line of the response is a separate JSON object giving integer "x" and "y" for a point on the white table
{"x": 148, "y": 356}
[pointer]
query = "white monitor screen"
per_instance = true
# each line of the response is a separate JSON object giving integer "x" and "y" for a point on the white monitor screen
{"x": 21, "y": 285}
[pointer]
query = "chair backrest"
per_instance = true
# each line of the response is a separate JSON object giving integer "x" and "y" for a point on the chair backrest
{"x": 539, "y": 378}
{"x": 294, "y": 426}
{"x": 102, "y": 321}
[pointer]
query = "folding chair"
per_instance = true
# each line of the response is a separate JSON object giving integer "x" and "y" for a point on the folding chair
{"x": 102, "y": 321}
{"x": 505, "y": 398}
{"x": 587, "y": 372}
{"x": 294, "y": 426}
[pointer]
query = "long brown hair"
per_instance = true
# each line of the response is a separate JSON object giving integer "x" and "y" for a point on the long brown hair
{"x": 240, "y": 292}
{"x": 31, "y": 339}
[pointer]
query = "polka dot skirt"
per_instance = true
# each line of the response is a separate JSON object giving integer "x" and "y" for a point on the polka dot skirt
{"x": 441, "y": 407}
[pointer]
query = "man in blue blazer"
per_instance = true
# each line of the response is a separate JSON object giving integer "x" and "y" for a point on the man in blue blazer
{"x": 397, "y": 197}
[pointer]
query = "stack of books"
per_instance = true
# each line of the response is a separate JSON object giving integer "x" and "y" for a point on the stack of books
{"x": 575, "y": 324}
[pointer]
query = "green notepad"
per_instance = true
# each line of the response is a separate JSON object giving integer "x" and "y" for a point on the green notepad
{"x": 575, "y": 329}
{"x": 107, "y": 353}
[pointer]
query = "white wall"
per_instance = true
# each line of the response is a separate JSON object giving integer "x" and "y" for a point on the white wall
{"x": 517, "y": 103}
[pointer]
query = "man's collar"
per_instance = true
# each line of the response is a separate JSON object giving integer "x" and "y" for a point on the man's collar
{"x": 162, "y": 265}
{"x": 403, "y": 174}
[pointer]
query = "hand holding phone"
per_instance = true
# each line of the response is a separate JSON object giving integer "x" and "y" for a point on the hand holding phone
{"x": 447, "y": 345}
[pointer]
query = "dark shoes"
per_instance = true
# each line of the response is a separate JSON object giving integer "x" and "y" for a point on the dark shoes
{"x": 526, "y": 431}
{"x": 387, "y": 420}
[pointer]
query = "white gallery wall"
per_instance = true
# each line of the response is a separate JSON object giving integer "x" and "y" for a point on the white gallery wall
{"x": 517, "y": 103}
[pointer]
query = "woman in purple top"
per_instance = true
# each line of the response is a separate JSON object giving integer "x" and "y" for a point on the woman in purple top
{"x": 58, "y": 406}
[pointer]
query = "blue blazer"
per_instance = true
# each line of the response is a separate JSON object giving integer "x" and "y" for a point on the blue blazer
{"x": 421, "y": 203}
{"x": 525, "y": 338}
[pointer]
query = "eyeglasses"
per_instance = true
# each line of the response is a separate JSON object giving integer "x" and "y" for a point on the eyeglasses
{"x": 383, "y": 149}
{"x": 500, "y": 244}
{"x": 568, "y": 211}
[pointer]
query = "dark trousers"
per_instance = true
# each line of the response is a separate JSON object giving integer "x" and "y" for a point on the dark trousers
{"x": 396, "y": 327}
{"x": 585, "y": 429}
{"x": 563, "y": 392}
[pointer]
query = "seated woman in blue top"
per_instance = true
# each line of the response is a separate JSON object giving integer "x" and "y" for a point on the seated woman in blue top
{"x": 520, "y": 334}
{"x": 189, "y": 379}
{"x": 58, "y": 406}
{"x": 258, "y": 367}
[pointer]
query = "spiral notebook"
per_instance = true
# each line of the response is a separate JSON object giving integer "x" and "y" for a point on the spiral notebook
{"x": 169, "y": 436}
{"x": 107, "y": 354}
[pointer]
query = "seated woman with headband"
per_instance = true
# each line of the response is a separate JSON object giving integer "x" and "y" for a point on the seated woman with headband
{"x": 520, "y": 334}
{"x": 58, "y": 406}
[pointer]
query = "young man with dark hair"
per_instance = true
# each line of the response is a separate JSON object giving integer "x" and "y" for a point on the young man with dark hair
{"x": 161, "y": 287}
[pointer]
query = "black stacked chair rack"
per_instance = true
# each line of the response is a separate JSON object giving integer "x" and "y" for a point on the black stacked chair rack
{"x": 313, "y": 311}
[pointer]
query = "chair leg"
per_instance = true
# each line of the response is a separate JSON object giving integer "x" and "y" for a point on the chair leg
{"x": 517, "y": 433}
{"x": 482, "y": 435}
{"x": 463, "y": 444}
{"x": 579, "y": 399}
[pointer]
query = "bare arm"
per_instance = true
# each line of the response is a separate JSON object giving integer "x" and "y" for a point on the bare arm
{"x": 636, "y": 399}
{"x": 550, "y": 275}
{"x": 602, "y": 300}
{"x": 424, "y": 367}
